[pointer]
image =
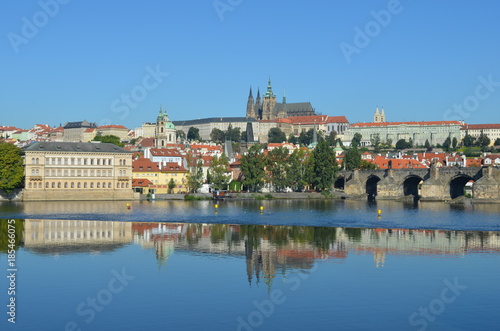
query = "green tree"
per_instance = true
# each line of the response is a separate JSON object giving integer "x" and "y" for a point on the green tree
{"x": 468, "y": 140}
{"x": 244, "y": 137}
{"x": 180, "y": 134}
{"x": 427, "y": 144}
{"x": 447, "y": 143}
{"x": 218, "y": 172}
{"x": 195, "y": 177}
{"x": 233, "y": 134}
{"x": 306, "y": 138}
{"x": 11, "y": 167}
{"x": 275, "y": 135}
{"x": 356, "y": 140}
{"x": 352, "y": 159}
{"x": 297, "y": 172}
{"x": 367, "y": 165}
{"x": 109, "y": 139}
{"x": 324, "y": 167}
{"x": 193, "y": 134}
{"x": 497, "y": 142}
{"x": 252, "y": 167}
{"x": 171, "y": 185}
{"x": 217, "y": 135}
{"x": 332, "y": 138}
{"x": 292, "y": 139}
{"x": 454, "y": 142}
{"x": 375, "y": 141}
{"x": 278, "y": 168}
{"x": 402, "y": 144}
{"x": 483, "y": 141}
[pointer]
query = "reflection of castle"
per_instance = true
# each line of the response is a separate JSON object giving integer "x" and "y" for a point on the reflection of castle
{"x": 71, "y": 236}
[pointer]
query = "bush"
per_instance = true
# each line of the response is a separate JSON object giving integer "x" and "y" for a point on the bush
{"x": 269, "y": 196}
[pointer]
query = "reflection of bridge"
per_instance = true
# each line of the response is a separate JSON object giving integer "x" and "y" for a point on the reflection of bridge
{"x": 428, "y": 184}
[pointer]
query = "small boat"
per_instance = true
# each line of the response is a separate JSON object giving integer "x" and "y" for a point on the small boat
{"x": 218, "y": 194}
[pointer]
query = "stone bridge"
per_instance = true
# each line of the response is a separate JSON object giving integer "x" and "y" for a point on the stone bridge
{"x": 438, "y": 184}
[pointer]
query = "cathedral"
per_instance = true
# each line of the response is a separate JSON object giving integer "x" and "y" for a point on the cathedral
{"x": 268, "y": 109}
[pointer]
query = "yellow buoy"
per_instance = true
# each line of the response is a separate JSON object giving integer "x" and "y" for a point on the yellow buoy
{"x": 216, "y": 206}
{"x": 261, "y": 208}
{"x": 379, "y": 212}
{"x": 128, "y": 205}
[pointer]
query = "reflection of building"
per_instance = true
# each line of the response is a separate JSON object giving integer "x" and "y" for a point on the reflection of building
{"x": 71, "y": 236}
{"x": 77, "y": 171}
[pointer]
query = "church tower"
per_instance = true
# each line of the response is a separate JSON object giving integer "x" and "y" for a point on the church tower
{"x": 251, "y": 106}
{"x": 165, "y": 130}
{"x": 268, "y": 103}
{"x": 379, "y": 117}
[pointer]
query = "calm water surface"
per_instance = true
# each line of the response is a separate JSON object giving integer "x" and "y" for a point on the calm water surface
{"x": 298, "y": 265}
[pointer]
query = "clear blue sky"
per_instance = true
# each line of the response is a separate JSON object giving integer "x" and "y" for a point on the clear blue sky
{"x": 428, "y": 56}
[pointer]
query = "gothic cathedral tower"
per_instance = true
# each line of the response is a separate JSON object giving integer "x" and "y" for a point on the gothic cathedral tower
{"x": 268, "y": 103}
{"x": 379, "y": 117}
{"x": 165, "y": 130}
{"x": 251, "y": 106}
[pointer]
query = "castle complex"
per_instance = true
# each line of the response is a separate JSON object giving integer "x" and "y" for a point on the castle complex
{"x": 268, "y": 109}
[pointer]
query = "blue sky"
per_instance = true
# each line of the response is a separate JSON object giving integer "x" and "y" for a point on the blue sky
{"x": 76, "y": 60}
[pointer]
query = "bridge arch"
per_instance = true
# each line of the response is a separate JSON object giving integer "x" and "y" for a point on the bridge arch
{"x": 340, "y": 182}
{"x": 371, "y": 186}
{"x": 411, "y": 185}
{"x": 457, "y": 185}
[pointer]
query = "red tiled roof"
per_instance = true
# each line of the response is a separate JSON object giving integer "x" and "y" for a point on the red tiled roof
{"x": 144, "y": 165}
{"x": 112, "y": 127}
{"x": 480, "y": 126}
{"x": 172, "y": 167}
{"x": 165, "y": 152}
{"x": 405, "y": 123}
{"x": 141, "y": 182}
{"x": 383, "y": 163}
{"x": 147, "y": 142}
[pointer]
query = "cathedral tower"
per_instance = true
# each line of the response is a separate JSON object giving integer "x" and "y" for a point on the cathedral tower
{"x": 251, "y": 106}
{"x": 268, "y": 103}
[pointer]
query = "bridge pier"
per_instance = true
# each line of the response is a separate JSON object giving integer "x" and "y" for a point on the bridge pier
{"x": 388, "y": 187}
{"x": 488, "y": 186}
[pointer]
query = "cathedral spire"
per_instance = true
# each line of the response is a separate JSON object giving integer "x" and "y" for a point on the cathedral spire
{"x": 269, "y": 93}
{"x": 250, "y": 94}
{"x": 284, "y": 96}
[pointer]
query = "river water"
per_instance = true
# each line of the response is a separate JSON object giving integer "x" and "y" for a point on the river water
{"x": 250, "y": 265}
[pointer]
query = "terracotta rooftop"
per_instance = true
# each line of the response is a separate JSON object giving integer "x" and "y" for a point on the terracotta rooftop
{"x": 406, "y": 123}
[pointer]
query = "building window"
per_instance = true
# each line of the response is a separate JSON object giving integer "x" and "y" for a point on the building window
{"x": 59, "y": 172}
{"x": 33, "y": 160}
{"x": 85, "y": 185}
{"x": 84, "y": 161}
{"x": 30, "y": 185}
{"x": 98, "y": 161}
{"x": 72, "y": 161}
{"x": 65, "y": 185}
{"x": 72, "y": 172}
{"x": 109, "y": 173}
{"x": 98, "y": 173}
{"x": 66, "y": 172}
{"x": 85, "y": 172}
{"x": 66, "y": 161}
{"x": 72, "y": 185}
{"x": 98, "y": 185}
{"x": 91, "y": 185}
{"x": 40, "y": 185}
{"x": 59, "y": 185}
{"x": 103, "y": 185}
{"x": 79, "y": 185}
{"x": 109, "y": 185}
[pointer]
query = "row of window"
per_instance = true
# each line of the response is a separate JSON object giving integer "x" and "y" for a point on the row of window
{"x": 78, "y": 161}
{"x": 77, "y": 185}
{"x": 78, "y": 172}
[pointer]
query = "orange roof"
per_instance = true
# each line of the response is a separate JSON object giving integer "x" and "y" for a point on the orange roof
{"x": 405, "y": 123}
{"x": 147, "y": 142}
{"x": 112, "y": 127}
{"x": 165, "y": 152}
{"x": 172, "y": 167}
{"x": 480, "y": 126}
{"x": 141, "y": 182}
{"x": 144, "y": 165}
{"x": 89, "y": 130}
{"x": 383, "y": 163}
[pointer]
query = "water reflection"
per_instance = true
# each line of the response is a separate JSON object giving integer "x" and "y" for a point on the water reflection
{"x": 267, "y": 249}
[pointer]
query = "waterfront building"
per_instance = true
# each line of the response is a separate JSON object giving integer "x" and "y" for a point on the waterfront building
{"x": 436, "y": 132}
{"x": 73, "y": 131}
{"x": 77, "y": 171}
{"x": 160, "y": 174}
{"x": 492, "y": 131}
